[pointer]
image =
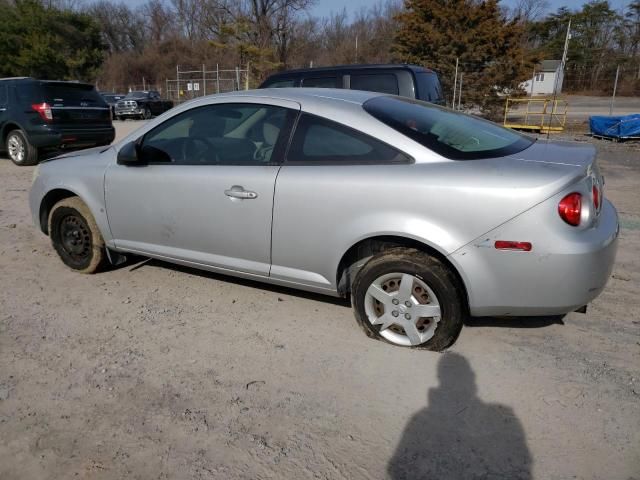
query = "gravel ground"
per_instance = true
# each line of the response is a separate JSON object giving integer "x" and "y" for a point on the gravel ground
{"x": 152, "y": 371}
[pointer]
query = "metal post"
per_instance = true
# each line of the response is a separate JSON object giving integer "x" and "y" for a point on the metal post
{"x": 533, "y": 79}
{"x": 238, "y": 77}
{"x": 460, "y": 91}
{"x": 455, "y": 85}
{"x": 615, "y": 87}
{"x": 246, "y": 79}
{"x": 356, "y": 59}
{"x": 204, "y": 80}
{"x": 217, "y": 79}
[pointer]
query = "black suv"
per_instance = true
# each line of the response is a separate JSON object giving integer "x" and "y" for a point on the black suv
{"x": 410, "y": 81}
{"x": 40, "y": 116}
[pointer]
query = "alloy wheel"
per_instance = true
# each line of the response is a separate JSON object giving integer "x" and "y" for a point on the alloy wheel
{"x": 405, "y": 308}
{"x": 16, "y": 147}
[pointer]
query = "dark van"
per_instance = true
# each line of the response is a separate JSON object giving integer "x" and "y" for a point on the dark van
{"x": 410, "y": 81}
{"x": 40, "y": 116}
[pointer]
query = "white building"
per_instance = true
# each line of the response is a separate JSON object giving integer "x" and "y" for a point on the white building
{"x": 544, "y": 79}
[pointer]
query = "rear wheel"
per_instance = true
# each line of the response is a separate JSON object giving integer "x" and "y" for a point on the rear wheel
{"x": 409, "y": 298}
{"x": 75, "y": 236}
{"x": 21, "y": 152}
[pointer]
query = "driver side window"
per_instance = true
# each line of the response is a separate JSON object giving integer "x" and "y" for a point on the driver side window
{"x": 223, "y": 134}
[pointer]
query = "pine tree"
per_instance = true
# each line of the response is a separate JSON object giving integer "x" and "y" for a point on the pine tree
{"x": 489, "y": 47}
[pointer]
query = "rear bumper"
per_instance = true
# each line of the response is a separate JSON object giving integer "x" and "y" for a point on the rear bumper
{"x": 565, "y": 270}
{"x": 72, "y": 138}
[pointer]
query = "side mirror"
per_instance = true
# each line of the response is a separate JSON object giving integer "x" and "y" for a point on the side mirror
{"x": 128, "y": 155}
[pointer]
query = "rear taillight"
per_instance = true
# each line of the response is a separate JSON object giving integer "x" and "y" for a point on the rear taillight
{"x": 44, "y": 110}
{"x": 596, "y": 197}
{"x": 570, "y": 208}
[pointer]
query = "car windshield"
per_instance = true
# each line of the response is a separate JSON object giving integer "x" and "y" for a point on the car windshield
{"x": 137, "y": 95}
{"x": 451, "y": 134}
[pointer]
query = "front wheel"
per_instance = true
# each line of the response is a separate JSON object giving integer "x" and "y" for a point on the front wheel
{"x": 146, "y": 115}
{"x": 75, "y": 236}
{"x": 21, "y": 152}
{"x": 409, "y": 298}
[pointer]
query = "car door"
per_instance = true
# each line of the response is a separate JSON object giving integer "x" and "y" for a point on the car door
{"x": 205, "y": 192}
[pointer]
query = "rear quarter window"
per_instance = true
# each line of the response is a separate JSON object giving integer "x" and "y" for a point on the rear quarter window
{"x": 375, "y": 82}
{"x": 320, "y": 82}
{"x": 429, "y": 88}
{"x": 321, "y": 141}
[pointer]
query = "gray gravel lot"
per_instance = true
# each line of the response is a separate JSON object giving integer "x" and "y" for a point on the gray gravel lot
{"x": 152, "y": 371}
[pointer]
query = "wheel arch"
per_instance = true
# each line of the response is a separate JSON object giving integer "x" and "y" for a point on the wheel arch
{"x": 9, "y": 127}
{"x": 48, "y": 201}
{"x": 353, "y": 259}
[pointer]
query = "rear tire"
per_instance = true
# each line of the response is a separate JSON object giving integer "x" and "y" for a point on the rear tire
{"x": 409, "y": 298}
{"x": 75, "y": 236}
{"x": 20, "y": 151}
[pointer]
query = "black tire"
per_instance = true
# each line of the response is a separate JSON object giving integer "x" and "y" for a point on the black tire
{"x": 20, "y": 151}
{"x": 119, "y": 118}
{"x": 147, "y": 113}
{"x": 433, "y": 273}
{"x": 75, "y": 236}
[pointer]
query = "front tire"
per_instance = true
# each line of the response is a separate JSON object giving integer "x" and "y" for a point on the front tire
{"x": 409, "y": 298}
{"x": 21, "y": 152}
{"x": 146, "y": 114}
{"x": 75, "y": 236}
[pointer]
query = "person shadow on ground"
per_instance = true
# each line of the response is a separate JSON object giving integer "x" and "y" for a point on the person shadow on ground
{"x": 457, "y": 436}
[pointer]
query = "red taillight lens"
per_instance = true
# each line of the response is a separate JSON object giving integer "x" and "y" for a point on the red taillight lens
{"x": 44, "y": 110}
{"x": 570, "y": 208}
{"x": 596, "y": 197}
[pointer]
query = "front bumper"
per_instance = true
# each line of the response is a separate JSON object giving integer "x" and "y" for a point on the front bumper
{"x": 128, "y": 112}
{"x": 565, "y": 270}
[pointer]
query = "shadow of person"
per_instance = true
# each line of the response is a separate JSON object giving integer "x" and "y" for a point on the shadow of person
{"x": 458, "y": 436}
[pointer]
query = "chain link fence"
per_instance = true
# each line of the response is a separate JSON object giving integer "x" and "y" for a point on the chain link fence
{"x": 192, "y": 83}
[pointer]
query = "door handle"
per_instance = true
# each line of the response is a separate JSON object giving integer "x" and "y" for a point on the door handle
{"x": 239, "y": 192}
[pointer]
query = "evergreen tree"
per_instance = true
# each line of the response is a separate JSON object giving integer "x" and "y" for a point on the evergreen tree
{"x": 45, "y": 42}
{"x": 489, "y": 47}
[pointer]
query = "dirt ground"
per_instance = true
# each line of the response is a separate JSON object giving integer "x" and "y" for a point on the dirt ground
{"x": 152, "y": 371}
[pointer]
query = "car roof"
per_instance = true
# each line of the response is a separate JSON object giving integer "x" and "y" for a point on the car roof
{"x": 363, "y": 66}
{"x": 306, "y": 95}
{"x": 59, "y": 82}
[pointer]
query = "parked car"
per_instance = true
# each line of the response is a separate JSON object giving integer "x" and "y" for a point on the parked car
{"x": 411, "y": 81}
{"x": 141, "y": 104}
{"x": 420, "y": 214}
{"x": 40, "y": 116}
{"x": 111, "y": 99}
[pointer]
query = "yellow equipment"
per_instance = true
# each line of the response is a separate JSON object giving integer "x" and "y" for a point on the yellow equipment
{"x": 538, "y": 114}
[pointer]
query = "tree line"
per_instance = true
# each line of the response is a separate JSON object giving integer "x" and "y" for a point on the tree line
{"x": 496, "y": 47}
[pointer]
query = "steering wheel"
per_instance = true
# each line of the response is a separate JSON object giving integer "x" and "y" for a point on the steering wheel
{"x": 199, "y": 149}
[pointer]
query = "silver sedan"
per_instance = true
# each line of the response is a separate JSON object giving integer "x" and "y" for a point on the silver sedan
{"x": 420, "y": 214}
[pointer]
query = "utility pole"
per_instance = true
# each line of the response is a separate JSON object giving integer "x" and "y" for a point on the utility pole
{"x": 615, "y": 87}
{"x": 455, "y": 85}
{"x": 460, "y": 91}
{"x": 356, "y": 59}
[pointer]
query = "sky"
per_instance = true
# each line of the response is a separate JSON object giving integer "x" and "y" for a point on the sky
{"x": 325, "y": 7}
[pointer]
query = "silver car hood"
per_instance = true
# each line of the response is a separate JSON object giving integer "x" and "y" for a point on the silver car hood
{"x": 89, "y": 152}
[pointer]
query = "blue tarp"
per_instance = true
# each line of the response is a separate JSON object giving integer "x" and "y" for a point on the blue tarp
{"x": 616, "y": 127}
